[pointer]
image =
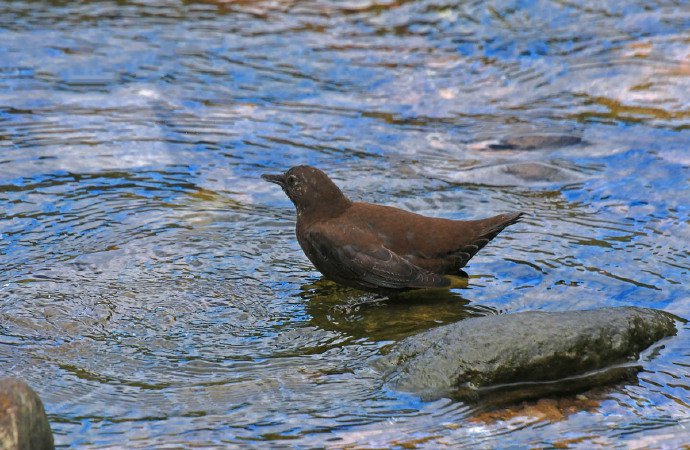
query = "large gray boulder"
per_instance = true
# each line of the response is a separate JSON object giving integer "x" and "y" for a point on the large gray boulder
{"x": 486, "y": 353}
{"x": 23, "y": 421}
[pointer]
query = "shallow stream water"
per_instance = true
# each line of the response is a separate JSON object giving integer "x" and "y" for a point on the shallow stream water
{"x": 152, "y": 290}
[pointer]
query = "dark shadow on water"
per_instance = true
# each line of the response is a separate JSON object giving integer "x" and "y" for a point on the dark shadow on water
{"x": 501, "y": 396}
{"x": 535, "y": 142}
{"x": 385, "y": 318}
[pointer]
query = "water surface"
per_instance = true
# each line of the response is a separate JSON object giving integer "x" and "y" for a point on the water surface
{"x": 152, "y": 289}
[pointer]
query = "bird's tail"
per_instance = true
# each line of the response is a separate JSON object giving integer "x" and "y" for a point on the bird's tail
{"x": 484, "y": 231}
{"x": 495, "y": 225}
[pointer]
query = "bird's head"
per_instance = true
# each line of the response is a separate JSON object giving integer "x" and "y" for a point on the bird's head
{"x": 310, "y": 190}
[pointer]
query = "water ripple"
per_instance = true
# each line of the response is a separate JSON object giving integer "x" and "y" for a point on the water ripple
{"x": 153, "y": 291}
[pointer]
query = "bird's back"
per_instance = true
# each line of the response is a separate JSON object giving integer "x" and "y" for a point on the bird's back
{"x": 439, "y": 245}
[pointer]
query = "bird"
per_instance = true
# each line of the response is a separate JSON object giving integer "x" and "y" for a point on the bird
{"x": 379, "y": 248}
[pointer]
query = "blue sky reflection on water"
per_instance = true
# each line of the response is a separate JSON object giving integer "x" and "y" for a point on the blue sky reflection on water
{"x": 153, "y": 290}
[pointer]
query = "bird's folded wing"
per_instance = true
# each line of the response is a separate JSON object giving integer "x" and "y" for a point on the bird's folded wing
{"x": 358, "y": 256}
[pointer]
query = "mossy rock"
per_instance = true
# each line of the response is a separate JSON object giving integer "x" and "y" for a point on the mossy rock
{"x": 491, "y": 352}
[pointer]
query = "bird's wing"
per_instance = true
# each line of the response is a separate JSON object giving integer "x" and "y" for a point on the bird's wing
{"x": 358, "y": 256}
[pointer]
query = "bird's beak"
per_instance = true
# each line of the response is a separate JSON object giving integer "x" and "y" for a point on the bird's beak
{"x": 277, "y": 179}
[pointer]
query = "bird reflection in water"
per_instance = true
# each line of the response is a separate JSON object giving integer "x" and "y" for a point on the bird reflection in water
{"x": 385, "y": 318}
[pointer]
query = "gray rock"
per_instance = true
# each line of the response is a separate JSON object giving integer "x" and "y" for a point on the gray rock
{"x": 535, "y": 142}
{"x": 537, "y": 348}
{"x": 23, "y": 421}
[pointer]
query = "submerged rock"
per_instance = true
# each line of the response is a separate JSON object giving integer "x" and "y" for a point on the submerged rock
{"x": 539, "y": 172}
{"x": 530, "y": 348}
{"x": 526, "y": 173}
{"x": 23, "y": 421}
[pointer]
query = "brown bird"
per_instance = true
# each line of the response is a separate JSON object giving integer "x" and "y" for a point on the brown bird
{"x": 380, "y": 248}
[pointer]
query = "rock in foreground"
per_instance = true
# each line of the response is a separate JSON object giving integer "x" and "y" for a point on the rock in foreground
{"x": 529, "y": 347}
{"x": 23, "y": 421}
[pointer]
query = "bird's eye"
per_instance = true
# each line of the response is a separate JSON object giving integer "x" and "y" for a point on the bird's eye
{"x": 292, "y": 180}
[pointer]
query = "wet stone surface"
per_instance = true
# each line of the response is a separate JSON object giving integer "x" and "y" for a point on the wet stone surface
{"x": 23, "y": 421}
{"x": 521, "y": 348}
